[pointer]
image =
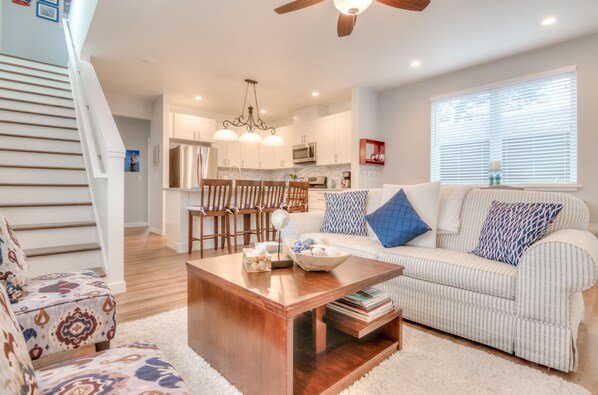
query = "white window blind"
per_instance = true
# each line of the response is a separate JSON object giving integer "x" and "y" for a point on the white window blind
{"x": 530, "y": 125}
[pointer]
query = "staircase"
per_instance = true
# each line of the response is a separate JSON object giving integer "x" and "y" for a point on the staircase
{"x": 44, "y": 191}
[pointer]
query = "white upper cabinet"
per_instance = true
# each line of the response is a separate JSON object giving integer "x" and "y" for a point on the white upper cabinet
{"x": 189, "y": 127}
{"x": 325, "y": 150}
{"x": 342, "y": 137}
{"x": 305, "y": 132}
{"x": 250, "y": 156}
{"x": 266, "y": 154}
{"x": 229, "y": 152}
{"x": 283, "y": 154}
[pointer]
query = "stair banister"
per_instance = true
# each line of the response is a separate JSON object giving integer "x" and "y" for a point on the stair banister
{"x": 104, "y": 153}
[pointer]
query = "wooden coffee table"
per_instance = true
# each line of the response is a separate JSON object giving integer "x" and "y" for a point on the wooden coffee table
{"x": 270, "y": 333}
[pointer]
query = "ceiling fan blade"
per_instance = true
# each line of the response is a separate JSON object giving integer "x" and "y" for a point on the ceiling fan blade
{"x": 346, "y": 23}
{"x": 296, "y": 5}
{"x": 411, "y": 5}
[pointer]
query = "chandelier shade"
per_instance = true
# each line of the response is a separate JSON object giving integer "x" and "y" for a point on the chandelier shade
{"x": 251, "y": 124}
{"x": 352, "y": 7}
{"x": 225, "y": 135}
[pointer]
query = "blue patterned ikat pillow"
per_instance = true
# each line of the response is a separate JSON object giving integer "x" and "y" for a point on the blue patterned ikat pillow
{"x": 511, "y": 228}
{"x": 396, "y": 222}
{"x": 345, "y": 213}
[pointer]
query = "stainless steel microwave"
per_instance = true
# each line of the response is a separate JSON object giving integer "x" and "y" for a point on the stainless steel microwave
{"x": 304, "y": 153}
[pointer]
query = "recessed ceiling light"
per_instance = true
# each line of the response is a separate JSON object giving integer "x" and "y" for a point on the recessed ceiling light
{"x": 263, "y": 111}
{"x": 548, "y": 21}
{"x": 198, "y": 98}
{"x": 315, "y": 94}
{"x": 416, "y": 63}
{"x": 148, "y": 60}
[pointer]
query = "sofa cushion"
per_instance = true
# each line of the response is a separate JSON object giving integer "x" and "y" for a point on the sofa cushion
{"x": 345, "y": 213}
{"x": 361, "y": 246}
{"x": 455, "y": 269}
{"x": 396, "y": 222}
{"x": 511, "y": 228}
{"x": 13, "y": 261}
{"x": 62, "y": 311}
{"x": 16, "y": 370}
{"x": 135, "y": 369}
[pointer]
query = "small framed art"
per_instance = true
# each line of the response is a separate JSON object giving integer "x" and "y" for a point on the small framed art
{"x": 46, "y": 11}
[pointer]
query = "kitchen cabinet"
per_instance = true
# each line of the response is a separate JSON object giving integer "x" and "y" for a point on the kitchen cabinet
{"x": 316, "y": 201}
{"x": 304, "y": 132}
{"x": 266, "y": 154}
{"x": 250, "y": 156}
{"x": 189, "y": 127}
{"x": 229, "y": 153}
{"x": 283, "y": 154}
{"x": 334, "y": 139}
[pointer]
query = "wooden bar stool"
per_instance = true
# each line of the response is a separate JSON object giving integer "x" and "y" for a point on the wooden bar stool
{"x": 297, "y": 197}
{"x": 246, "y": 202}
{"x": 215, "y": 202}
{"x": 272, "y": 200}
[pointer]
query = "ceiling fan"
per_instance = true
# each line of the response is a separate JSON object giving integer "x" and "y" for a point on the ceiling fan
{"x": 349, "y": 9}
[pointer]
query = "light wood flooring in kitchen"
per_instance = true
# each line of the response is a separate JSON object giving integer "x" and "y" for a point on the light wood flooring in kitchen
{"x": 156, "y": 279}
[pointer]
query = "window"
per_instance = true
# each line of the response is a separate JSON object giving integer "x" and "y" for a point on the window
{"x": 530, "y": 125}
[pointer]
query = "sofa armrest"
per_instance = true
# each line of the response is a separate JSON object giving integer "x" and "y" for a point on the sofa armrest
{"x": 302, "y": 223}
{"x": 552, "y": 270}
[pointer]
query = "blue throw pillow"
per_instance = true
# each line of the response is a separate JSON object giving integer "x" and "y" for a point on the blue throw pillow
{"x": 345, "y": 213}
{"x": 397, "y": 222}
{"x": 511, "y": 228}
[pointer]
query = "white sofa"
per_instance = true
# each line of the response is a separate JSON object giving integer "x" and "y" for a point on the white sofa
{"x": 532, "y": 310}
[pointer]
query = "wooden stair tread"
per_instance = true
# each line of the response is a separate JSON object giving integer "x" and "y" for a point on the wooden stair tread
{"x": 39, "y": 124}
{"x": 33, "y": 75}
{"x": 12, "y": 184}
{"x": 59, "y": 225}
{"x": 67, "y": 249}
{"x": 34, "y": 102}
{"x": 22, "y": 136}
{"x": 35, "y": 61}
{"x": 37, "y": 113}
{"x": 36, "y": 93}
{"x": 32, "y": 151}
{"x": 29, "y": 205}
{"x": 42, "y": 167}
{"x": 34, "y": 84}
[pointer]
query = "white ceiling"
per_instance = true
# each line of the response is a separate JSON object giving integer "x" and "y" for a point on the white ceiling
{"x": 208, "y": 48}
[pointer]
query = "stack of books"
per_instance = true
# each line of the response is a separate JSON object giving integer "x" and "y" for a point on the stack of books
{"x": 366, "y": 305}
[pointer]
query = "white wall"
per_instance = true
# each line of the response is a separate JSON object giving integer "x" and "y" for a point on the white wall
{"x": 404, "y": 113}
{"x": 131, "y": 107}
{"x": 25, "y": 35}
{"x": 135, "y": 134}
{"x": 156, "y": 180}
{"x": 80, "y": 17}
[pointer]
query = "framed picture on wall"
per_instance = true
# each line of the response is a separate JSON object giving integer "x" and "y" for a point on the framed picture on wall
{"x": 132, "y": 161}
{"x": 46, "y": 11}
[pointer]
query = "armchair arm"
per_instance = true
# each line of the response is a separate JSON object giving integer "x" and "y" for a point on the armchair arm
{"x": 302, "y": 223}
{"x": 554, "y": 268}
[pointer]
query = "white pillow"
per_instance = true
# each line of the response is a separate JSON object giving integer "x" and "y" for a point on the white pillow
{"x": 449, "y": 211}
{"x": 424, "y": 198}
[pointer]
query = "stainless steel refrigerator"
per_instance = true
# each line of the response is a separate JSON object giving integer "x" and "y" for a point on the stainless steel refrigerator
{"x": 189, "y": 164}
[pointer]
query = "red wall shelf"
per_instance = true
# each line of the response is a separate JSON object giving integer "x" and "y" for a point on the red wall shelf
{"x": 371, "y": 152}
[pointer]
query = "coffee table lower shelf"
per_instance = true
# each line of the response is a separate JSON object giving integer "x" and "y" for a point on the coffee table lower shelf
{"x": 347, "y": 357}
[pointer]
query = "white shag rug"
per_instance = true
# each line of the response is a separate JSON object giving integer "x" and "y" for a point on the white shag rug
{"x": 426, "y": 365}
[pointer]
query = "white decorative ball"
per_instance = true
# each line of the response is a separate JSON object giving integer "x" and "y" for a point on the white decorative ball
{"x": 280, "y": 219}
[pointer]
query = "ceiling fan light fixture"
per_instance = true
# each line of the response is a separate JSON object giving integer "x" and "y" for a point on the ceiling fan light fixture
{"x": 225, "y": 135}
{"x": 352, "y": 7}
{"x": 250, "y": 138}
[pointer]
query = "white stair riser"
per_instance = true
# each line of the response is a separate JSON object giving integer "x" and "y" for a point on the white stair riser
{"x": 32, "y": 72}
{"x": 39, "y": 176}
{"x": 8, "y": 94}
{"x": 64, "y": 263}
{"x": 38, "y": 108}
{"x": 39, "y": 144}
{"x": 47, "y": 215}
{"x": 39, "y": 131}
{"x": 56, "y": 237}
{"x": 31, "y": 63}
{"x": 37, "y": 119}
{"x": 35, "y": 89}
{"x": 34, "y": 80}
{"x": 33, "y": 159}
{"x": 31, "y": 195}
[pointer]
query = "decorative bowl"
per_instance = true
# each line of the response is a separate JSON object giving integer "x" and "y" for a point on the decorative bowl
{"x": 312, "y": 263}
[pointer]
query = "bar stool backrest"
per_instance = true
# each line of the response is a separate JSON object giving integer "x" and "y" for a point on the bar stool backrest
{"x": 297, "y": 196}
{"x": 216, "y": 194}
{"x": 273, "y": 194}
{"x": 248, "y": 194}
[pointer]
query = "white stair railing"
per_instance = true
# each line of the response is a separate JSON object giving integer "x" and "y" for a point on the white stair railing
{"x": 104, "y": 154}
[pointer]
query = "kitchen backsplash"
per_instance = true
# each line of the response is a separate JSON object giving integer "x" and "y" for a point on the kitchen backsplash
{"x": 333, "y": 173}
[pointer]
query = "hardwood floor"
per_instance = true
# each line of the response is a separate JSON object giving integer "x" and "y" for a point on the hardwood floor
{"x": 156, "y": 279}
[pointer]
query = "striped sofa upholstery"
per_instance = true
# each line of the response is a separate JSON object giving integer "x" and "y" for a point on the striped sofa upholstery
{"x": 532, "y": 310}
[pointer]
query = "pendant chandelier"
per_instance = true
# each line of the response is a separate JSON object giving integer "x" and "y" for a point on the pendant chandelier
{"x": 252, "y": 125}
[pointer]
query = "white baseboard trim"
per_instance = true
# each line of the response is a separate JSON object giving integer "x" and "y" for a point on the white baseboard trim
{"x": 157, "y": 231}
{"x": 136, "y": 224}
{"x": 118, "y": 287}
